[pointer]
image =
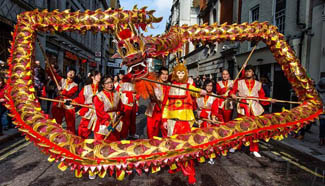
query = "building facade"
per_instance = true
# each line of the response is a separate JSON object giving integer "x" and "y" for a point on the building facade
{"x": 302, "y": 23}
{"x": 70, "y": 49}
{"x": 209, "y": 59}
{"x": 183, "y": 12}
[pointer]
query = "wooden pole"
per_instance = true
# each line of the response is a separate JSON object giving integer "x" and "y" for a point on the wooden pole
{"x": 244, "y": 65}
{"x": 62, "y": 101}
{"x": 48, "y": 63}
{"x": 276, "y": 100}
{"x": 179, "y": 87}
{"x": 210, "y": 121}
{"x": 242, "y": 68}
{"x": 113, "y": 126}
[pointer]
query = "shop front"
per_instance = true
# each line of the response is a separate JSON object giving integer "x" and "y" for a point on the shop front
{"x": 92, "y": 65}
{"x": 69, "y": 61}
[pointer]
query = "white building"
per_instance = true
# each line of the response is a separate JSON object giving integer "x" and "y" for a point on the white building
{"x": 184, "y": 12}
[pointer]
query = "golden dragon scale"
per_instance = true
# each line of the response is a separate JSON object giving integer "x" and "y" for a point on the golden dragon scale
{"x": 148, "y": 154}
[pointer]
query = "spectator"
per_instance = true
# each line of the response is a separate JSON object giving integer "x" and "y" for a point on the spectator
{"x": 266, "y": 85}
{"x": 203, "y": 81}
{"x": 198, "y": 82}
{"x": 321, "y": 90}
{"x": 120, "y": 76}
{"x": 3, "y": 110}
{"x": 51, "y": 88}
{"x": 39, "y": 79}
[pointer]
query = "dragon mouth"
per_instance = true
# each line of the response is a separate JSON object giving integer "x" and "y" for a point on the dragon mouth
{"x": 137, "y": 66}
{"x": 138, "y": 70}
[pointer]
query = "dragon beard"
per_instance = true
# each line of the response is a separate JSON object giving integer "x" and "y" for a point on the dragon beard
{"x": 145, "y": 89}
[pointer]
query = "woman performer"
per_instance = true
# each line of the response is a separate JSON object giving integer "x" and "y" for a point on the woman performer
{"x": 223, "y": 88}
{"x": 108, "y": 106}
{"x": 208, "y": 108}
{"x": 67, "y": 88}
{"x": 88, "y": 116}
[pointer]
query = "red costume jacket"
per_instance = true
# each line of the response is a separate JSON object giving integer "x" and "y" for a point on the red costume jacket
{"x": 208, "y": 106}
{"x": 108, "y": 106}
{"x": 222, "y": 88}
{"x": 249, "y": 89}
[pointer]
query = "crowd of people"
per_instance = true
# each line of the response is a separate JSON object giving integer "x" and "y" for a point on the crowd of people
{"x": 108, "y": 105}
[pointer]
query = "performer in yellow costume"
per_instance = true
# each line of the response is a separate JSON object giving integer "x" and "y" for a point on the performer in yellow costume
{"x": 178, "y": 114}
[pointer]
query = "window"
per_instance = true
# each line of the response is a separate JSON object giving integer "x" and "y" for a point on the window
{"x": 280, "y": 8}
{"x": 50, "y": 5}
{"x": 254, "y": 13}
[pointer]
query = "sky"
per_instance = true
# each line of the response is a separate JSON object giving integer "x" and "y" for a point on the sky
{"x": 162, "y": 8}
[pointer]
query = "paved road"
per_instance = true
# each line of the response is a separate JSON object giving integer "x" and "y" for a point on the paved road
{"x": 21, "y": 163}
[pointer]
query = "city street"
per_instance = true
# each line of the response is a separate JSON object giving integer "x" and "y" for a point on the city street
{"x": 254, "y": 70}
{"x": 21, "y": 163}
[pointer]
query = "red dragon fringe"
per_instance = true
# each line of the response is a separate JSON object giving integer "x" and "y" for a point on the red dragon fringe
{"x": 145, "y": 89}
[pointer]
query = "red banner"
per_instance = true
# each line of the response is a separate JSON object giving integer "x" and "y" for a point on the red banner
{"x": 93, "y": 64}
{"x": 70, "y": 55}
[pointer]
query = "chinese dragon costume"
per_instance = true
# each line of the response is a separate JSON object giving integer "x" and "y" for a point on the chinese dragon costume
{"x": 87, "y": 156}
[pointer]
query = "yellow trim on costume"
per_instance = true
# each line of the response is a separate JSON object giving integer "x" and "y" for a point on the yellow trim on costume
{"x": 191, "y": 87}
{"x": 184, "y": 115}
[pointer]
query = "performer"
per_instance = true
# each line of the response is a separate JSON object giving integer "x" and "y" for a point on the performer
{"x": 178, "y": 112}
{"x": 116, "y": 81}
{"x": 250, "y": 88}
{"x": 108, "y": 106}
{"x": 208, "y": 107}
{"x": 67, "y": 88}
{"x": 88, "y": 116}
{"x": 223, "y": 88}
{"x": 154, "y": 109}
{"x": 130, "y": 106}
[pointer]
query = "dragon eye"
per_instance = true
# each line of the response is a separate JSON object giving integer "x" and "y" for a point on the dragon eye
{"x": 124, "y": 51}
{"x": 136, "y": 45}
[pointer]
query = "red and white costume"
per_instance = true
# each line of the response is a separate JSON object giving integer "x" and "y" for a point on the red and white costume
{"x": 130, "y": 106}
{"x": 107, "y": 105}
{"x": 223, "y": 88}
{"x": 154, "y": 113}
{"x": 88, "y": 116}
{"x": 208, "y": 106}
{"x": 250, "y": 89}
{"x": 116, "y": 84}
{"x": 59, "y": 110}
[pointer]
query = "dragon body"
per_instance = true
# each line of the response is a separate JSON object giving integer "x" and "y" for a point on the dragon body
{"x": 88, "y": 155}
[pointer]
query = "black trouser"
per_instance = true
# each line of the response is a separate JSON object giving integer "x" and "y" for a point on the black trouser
{"x": 321, "y": 128}
{"x": 2, "y": 110}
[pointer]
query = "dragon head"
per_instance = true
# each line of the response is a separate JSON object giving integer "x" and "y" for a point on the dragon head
{"x": 132, "y": 49}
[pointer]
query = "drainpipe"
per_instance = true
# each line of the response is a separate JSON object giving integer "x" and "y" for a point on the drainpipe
{"x": 301, "y": 26}
{"x": 306, "y": 40}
